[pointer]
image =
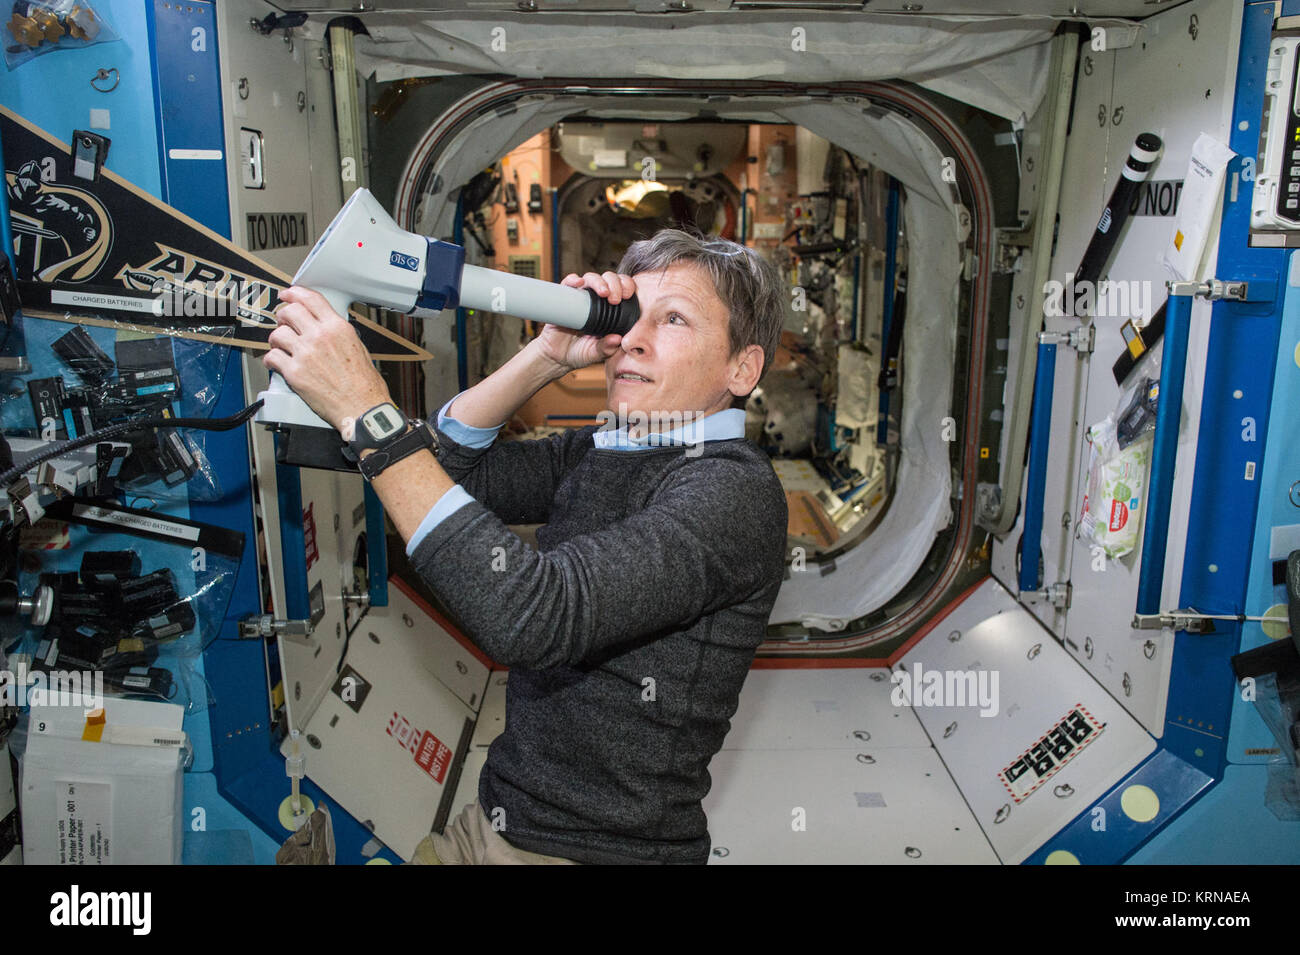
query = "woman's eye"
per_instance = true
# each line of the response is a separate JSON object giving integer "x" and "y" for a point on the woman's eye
{"x": 672, "y": 315}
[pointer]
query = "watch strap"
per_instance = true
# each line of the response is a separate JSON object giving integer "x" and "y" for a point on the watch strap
{"x": 419, "y": 435}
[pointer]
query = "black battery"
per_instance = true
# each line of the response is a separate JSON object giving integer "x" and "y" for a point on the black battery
{"x": 46, "y": 395}
{"x": 151, "y": 387}
{"x": 175, "y": 459}
{"x": 108, "y": 464}
{"x": 78, "y": 419}
{"x": 140, "y": 598}
{"x": 80, "y": 353}
{"x": 80, "y": 604}
{"x": 132, "y": 652}
{"x": 85, "y": 647}
{"x": 142, "y": 462}
{"x": 140, "y": 681}
{"x": 60, "y": 581}
{"x": 175, "y": 621}
{"x": 147, "y": 367}
{"x": 107, "y": 566}
{"x": 132, "y": 395}
{"x": 142, "y": 354}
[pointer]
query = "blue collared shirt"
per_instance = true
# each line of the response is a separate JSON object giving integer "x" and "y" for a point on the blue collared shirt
{"x": 728, "y": 423}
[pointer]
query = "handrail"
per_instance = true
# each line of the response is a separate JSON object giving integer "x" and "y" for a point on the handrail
{"x": 1040, "y": 431}
{"x": 1164, "y": 452}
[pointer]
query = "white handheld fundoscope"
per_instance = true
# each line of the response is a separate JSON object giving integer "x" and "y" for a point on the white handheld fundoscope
{"x": 364, "y": 256}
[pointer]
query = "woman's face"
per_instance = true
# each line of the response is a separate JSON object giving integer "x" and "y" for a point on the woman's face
{"x": 681, "y": 345}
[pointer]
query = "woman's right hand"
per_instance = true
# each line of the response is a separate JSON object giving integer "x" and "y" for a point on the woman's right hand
{"x": 570, "y": 349}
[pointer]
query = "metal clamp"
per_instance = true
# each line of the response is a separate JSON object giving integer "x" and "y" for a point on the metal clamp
{"x": 1212, "y": 289}
{"x": 1058, "y": 595}
{"x": 1173, "y": 620}
{"x": 1082, "y": 338}
{"x": 264, "y": 626}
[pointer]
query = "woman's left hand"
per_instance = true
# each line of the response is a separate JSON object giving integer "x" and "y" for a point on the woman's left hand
{"x": 321, "y": 357}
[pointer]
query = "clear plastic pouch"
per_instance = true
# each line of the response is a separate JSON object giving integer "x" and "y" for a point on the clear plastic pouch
{"x": 42, "y": 26}
{"x": 1115, "y": 499}
{"x": 85, "y": 378}
{"x": 135, "y": 596}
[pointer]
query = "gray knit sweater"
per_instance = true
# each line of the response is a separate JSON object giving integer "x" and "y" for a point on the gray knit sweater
{"x": 629, "y": 632}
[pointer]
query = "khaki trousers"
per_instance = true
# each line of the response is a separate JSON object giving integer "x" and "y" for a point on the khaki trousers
{"x": 469, "y": 839}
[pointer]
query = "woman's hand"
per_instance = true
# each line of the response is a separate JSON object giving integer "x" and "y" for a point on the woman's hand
{"x": 320, "y": 356}
{"x": 568, "y": 348}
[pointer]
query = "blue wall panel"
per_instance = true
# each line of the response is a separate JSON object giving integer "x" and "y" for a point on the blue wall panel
{"x": 147, "y": 119}
{"x": 1229, "y": 825}
{"x": 189, "y": 110}
{"x": 53, "y": 91}
{"x": 1278, "y": 508}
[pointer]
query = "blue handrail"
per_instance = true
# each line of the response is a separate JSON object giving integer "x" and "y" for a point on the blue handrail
{"x": 1164, "y": 452}
{"x": 1040, "y": 431}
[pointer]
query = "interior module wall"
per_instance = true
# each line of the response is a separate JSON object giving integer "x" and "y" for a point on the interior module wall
{"x": 1178, "y": 83}
{"x": 282, "y": 90}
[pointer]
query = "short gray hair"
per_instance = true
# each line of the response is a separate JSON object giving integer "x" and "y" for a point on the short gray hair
{"x": 746, "y": 283}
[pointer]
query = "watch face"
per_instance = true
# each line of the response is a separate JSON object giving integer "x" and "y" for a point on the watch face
{"x": 382, "y": 421}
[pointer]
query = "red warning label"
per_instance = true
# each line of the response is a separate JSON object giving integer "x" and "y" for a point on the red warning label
{"x": 309, "y": 536}
{"x": 433, "y": 756}
{"x": 430, "y": 753}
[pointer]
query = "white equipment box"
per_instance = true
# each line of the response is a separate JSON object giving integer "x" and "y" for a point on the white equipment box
{"x": 117, "y": 800}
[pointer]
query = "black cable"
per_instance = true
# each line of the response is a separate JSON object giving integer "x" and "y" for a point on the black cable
{"x": 135, "y": 424}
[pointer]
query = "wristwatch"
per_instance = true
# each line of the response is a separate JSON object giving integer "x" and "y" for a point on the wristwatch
{"x": 390, "y": 436}
{"x": 375, "y": 428}
{"x": 420, "y": 434}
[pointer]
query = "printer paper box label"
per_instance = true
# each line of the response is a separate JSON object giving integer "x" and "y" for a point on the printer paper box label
{"x": 83, "y": 818}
